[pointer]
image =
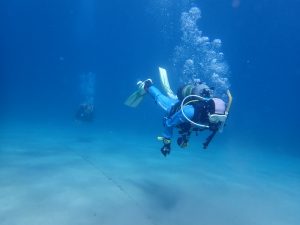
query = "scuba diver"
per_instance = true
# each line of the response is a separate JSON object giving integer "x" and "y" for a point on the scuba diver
{"x": 192, "y": 109}
{"x": 85, "y": 112}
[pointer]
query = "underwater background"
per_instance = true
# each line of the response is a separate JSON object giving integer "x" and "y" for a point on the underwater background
{"x": 56, "y": 55}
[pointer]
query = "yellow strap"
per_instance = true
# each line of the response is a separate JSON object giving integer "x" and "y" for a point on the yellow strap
{"x": 187, "y": 90}
{"x": 230, "y": 101}
{"x": 196, "y": 100}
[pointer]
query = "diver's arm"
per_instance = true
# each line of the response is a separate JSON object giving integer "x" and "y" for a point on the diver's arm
{"x": 177, "y": 119}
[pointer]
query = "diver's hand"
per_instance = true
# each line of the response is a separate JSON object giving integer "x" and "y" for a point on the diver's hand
{"x": 183, "y": 141}
{"x": 166, "y": 149}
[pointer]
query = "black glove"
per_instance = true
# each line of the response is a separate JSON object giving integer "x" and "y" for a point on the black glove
{"x": 183, "y": 141}
{"x": 166, "y": 148}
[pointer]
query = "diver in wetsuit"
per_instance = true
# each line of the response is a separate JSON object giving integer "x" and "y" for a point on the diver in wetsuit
{"x": 192, "y": 109}
{"x": 195, "y": 110}
{"x": 85, "y": 112}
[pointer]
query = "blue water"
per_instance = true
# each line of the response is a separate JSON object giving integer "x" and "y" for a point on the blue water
{"x": 56, "y": 55}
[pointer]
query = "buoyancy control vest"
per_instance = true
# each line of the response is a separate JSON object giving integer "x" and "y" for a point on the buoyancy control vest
{"x": 201, "y": 108}
{"x": 201, "y": 111}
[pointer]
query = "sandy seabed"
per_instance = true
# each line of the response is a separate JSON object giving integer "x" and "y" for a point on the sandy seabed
{"x": 50, "y": 176}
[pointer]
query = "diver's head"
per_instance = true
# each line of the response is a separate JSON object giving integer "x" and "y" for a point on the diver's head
{"x": 220, "y": 106}
{"x": 217, "y": 112}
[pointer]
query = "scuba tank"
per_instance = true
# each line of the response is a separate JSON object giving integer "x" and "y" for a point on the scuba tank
{"x": 195, "y": 88}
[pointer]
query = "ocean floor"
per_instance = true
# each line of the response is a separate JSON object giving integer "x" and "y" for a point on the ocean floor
{"x": 59, "y": 176}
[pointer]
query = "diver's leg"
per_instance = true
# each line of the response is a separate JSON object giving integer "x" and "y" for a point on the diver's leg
{"x": 163, "y": 101}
